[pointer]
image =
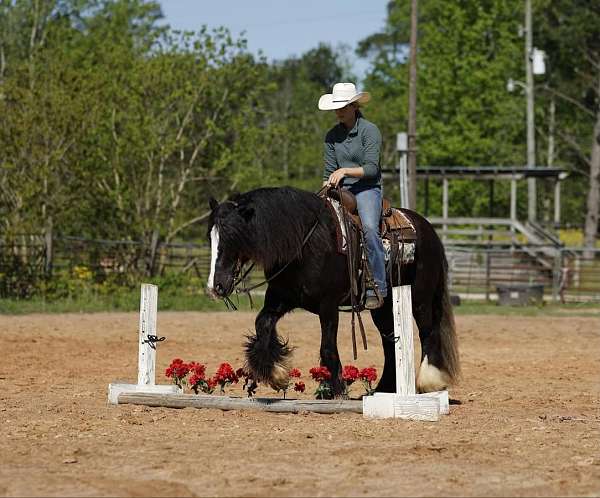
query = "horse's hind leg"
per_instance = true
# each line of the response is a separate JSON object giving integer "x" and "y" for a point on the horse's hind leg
{"x": 431, "y": 375}
{"x": 329, "y": 318}
{"x": 267, "y": 356}
{"x": 383, "y": 319}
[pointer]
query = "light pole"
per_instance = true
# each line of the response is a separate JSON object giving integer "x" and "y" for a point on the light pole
{"x": 534, "y": 64}
{"x": 531, "y": 186}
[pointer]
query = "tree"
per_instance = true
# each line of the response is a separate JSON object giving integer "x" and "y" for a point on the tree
{"x": 466, "y": 52}
{"x": 570, "y": 33}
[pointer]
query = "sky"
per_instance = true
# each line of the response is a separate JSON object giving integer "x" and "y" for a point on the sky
{"x": 284, "y": 28}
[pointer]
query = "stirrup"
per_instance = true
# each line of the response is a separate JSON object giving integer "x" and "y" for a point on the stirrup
{"x": 373, "y": 302}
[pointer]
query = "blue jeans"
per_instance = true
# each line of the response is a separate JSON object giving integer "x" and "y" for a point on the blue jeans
{"x": 369, "y": 209}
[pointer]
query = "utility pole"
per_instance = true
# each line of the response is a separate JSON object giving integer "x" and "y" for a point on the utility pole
{"x": 531, "y": 184}
{"x": 412, "y": 109}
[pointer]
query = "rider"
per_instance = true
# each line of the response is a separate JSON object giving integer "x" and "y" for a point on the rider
{"x": 352, "y": 160}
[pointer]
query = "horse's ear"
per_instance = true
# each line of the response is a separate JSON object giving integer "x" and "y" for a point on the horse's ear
{"x": 212, "y": 202}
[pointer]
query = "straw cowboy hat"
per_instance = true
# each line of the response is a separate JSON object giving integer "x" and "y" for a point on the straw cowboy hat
{"x": 343, "y": 94}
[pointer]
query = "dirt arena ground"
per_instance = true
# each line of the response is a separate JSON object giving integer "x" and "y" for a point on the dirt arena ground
{"x": 528, "y": 423}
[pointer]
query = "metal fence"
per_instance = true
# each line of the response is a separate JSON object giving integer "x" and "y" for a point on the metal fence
{"x": 570, "y": 275}
{"x": 566, "y": 275}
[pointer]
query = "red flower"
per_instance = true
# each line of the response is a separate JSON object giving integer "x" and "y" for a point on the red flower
{"x": 295, "y": 373}
{"x": 177, "y": 371}
{"x": 197, "y": 369}
{"x": 299, "y": 387}
{"x": 350, "y": 373}
{"x": 225, "y": 375}
{"x": 368, "y": 374}
{"x": 211, "y": 383}
{"x": 320, "y": 374}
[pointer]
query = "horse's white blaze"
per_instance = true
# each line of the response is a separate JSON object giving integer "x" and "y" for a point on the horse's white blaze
{"x": 214, "y": 253}
{"x": 431, "y": 378}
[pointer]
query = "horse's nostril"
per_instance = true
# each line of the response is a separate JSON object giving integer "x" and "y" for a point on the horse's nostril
{"x": 219, "y": 288}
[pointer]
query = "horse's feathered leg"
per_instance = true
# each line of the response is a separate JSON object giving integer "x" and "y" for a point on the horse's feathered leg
{"x": 267, "y": 356}
{"x": 383, "y": 319}
{"x": 329, "y": 318}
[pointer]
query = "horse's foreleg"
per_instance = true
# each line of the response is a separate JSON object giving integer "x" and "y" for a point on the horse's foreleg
{"x": 267, "y": 356}
{"x": 330, "y": 358}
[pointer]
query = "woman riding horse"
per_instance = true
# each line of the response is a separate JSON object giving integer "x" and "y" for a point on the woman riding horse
{"x": 292, "y": 234}
{"x": 352, "y": 159}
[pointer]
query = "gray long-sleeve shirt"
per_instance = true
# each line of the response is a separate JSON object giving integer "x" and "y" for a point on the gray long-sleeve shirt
{"x": 358, "y": 147}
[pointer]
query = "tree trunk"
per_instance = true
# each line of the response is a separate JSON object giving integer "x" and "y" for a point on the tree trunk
{"x": 593, "y": 200}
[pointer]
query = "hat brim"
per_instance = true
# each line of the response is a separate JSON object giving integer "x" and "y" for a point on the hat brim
{"x": 326, "y": 102}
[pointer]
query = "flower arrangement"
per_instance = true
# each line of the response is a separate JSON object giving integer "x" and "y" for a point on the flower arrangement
{"x": 177, "y": 371}
{"x": 322, "y": 375}
{"x": 368, "y": 376}
{"x": 350, "y": 374}
{"x": 293, "y": 374}
{"x": 198, "y": 381}
{"x": 193, "y": 374}
{"x": 225, "y": 375}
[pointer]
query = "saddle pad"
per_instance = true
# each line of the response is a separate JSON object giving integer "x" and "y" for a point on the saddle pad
{"x": 341, "y": 226}
{"x": 398, "y": 221}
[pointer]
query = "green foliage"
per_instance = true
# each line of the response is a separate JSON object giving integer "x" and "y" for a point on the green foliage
{"x": 113, "y": 126}
{"x": 467, "y": 51}
{"x": 79, "y": 290}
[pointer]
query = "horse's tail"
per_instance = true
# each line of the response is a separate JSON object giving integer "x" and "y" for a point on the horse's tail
{"x": 448, "y": 339}
{"x": 444, "y": 369}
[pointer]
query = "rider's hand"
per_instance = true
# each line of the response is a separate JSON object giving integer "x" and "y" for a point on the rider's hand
{"x": 336, "y": 177}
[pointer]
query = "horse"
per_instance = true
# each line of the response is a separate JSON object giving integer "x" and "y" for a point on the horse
{"x": 291, "y": 233}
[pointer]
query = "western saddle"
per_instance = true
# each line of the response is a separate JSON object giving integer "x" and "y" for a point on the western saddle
{"x": 398, "y": 237}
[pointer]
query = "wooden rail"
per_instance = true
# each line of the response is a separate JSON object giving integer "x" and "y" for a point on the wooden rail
{"x": 234, "y": 403}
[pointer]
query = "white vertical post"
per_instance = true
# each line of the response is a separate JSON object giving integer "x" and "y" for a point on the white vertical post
{"x": 147, "y": 353}
{"x": 513, "y": 199}
{"x": 402, "y": 147}
{"x": 557, "y": 202}
{"x": 444, "y": 207}
{"x": 403, "y": 336}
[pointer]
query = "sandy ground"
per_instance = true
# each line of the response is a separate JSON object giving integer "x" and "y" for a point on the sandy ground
{"x": 528, "y": 423}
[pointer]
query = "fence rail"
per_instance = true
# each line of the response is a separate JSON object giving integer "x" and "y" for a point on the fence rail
{"x": 570, "y": 275}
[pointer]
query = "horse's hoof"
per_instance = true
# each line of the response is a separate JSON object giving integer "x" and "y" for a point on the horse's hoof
{"x": 280, "y": 376}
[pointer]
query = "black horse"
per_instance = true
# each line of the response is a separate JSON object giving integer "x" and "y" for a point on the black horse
{"x": 270, "y": 226}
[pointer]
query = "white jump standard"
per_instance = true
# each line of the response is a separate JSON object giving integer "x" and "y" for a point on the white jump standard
{"x": 405, "y": 403}
{"x": 147, "y": 351}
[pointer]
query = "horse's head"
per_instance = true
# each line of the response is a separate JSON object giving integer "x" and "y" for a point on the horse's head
{"x": 228, "y": 234}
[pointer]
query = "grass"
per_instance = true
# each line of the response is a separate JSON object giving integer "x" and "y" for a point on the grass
{"x": 130, "y": 301}
{"x": 548, "y": 309}
{"x": 121, "y": 301}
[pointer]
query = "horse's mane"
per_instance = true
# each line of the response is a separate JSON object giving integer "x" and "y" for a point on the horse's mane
{"x": 270, "y": 224}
